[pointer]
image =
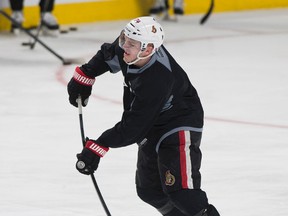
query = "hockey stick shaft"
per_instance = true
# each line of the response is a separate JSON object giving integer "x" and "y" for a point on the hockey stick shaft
{"x": 209, "y": 12}
{"x": 81, "y": 120}
{"x": 46, "y": 3}
{"x": 64, "y": 61}
{"x": 83, "y": 142}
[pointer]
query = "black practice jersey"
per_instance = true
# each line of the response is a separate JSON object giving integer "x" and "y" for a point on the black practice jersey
{"x": 158, "y": 98}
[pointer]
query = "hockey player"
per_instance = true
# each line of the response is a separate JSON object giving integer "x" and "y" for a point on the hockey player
{"x": 162, "y": 7}
{"x": 162, "y": 114}
{"x": 49, "y": 22}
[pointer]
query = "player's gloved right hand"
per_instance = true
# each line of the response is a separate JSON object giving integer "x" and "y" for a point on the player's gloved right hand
{"x": 80, "y": 84}
{"x": 89, "y": 158}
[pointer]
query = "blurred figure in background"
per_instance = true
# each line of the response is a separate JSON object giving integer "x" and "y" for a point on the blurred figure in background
{"x": 48, "y": 21}
{"x": 162, "y": 7}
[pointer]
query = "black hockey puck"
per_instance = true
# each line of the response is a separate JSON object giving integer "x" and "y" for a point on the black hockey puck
{"x": 73, "y": 28}
{"x": 64, "y": 31}
{"x": 26, "y": 44}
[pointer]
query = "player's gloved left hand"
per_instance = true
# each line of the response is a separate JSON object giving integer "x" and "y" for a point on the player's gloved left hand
{"x": 80, "y": 84}
{"x": 89, "y": 158}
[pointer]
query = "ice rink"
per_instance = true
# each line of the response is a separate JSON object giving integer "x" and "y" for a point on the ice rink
{"x": 237, "y": 61}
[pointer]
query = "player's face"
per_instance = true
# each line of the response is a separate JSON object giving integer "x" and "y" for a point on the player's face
{"x": 131, "y": 49}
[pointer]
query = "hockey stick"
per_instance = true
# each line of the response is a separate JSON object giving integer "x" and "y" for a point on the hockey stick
{"x": 46, "y": 3}
{"x": 66, "y": 61}
{"x": 83, "y": 142}
{"x": 209, "y": 12}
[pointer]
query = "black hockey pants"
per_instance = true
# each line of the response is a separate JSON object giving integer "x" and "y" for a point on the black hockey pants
{"x": 170, "y": 179}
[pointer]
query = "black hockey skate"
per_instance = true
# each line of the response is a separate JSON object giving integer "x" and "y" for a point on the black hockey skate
{"x": 158, "y": 8}
{"x": 178, "y": 7}
{"x": 210, "y": 211}
{"x": 178, "y": 11}
{"x": 49, "y": 24}
{"x": 17, "y": 16}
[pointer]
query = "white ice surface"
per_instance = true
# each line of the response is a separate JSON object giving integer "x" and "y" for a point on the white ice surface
{"x": 237, "y": 61}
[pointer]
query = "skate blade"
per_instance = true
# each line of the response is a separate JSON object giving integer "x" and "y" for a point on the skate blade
{"x": 15, "y": 31}
{"x": 49, "y": 32}
{"x": 164, "y": 16}
{"x": 170, "y": 18}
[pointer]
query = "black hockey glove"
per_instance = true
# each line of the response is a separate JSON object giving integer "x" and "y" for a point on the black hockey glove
{"x": 80, "y": 84}
{"x": 89, "y": 158}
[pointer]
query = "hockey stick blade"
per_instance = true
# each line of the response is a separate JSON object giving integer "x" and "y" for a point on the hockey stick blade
{"x": 209, "y": 12}
{"x": 64, "y": 61}
{"x": 68, "y": 61}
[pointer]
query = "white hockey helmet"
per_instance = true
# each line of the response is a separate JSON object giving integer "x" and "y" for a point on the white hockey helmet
{"x": 145, "y": 30}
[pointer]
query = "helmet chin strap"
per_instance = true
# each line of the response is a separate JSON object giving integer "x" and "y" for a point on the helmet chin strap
{"x": 139, "y": 57}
